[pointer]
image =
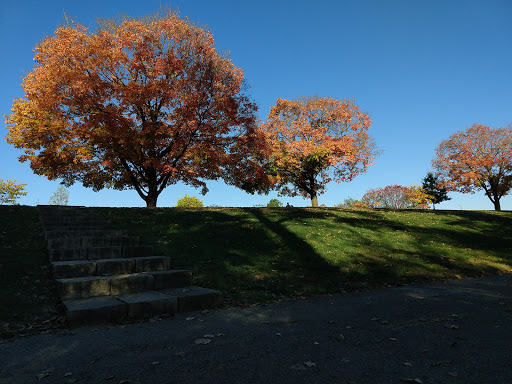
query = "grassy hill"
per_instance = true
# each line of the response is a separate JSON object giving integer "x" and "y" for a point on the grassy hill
{"x": 262, "y": 254}
{"x": 259, "y": 254}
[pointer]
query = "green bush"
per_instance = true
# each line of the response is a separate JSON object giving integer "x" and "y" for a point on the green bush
{"x": 189, "y": 202}
{"x": 274, "y": 203}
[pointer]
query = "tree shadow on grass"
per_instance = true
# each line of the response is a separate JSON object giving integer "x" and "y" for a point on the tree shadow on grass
{"x": 464, "y": 244}
{"x": 257, "y": 254}
{"x": 248, "y": 253}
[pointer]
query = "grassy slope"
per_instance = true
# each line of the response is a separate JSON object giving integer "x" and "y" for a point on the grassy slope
{"x": 257, "y": 254}
{"x": 254, "y": 254}
{"x": 27, "y": 293}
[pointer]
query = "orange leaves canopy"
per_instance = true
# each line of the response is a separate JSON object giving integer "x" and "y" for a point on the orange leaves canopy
{"x": 140, "y": 103}
{"x": 311, "y": 141}
{"x": 477, "y": 158}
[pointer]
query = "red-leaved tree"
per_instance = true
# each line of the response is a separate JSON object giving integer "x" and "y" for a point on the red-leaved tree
{"x": 139, "y": 103}
{"x": 477, "y": 158}
{"x": 308, "y": 142}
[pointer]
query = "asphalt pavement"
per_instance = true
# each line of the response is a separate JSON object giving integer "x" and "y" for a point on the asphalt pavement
{"x": 449, "y": 332}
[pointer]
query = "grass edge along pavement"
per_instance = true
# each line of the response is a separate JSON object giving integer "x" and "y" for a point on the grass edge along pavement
{"x": 258, "y": 254}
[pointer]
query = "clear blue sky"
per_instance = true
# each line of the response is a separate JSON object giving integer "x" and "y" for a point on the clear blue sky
{"x": 422, "y": 69}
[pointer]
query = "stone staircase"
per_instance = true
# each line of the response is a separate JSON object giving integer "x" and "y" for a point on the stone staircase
{"x": 104, "y": 275}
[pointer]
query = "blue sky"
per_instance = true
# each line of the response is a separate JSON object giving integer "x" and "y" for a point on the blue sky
{"x": 422, "y": 69}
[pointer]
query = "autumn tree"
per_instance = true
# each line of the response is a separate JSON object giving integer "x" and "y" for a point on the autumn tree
{"x": 60, "y": 197}
{"x": 136, "y": 103}
{"x": 430, "y": 184}
{"x": 397, "y": 197}
{"x": 477, "y": 158}
{"x": 10, "y": 191}
{"x": 309, "y": 142}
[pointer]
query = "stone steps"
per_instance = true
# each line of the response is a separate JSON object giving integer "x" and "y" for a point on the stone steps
{"x": 103, "y": 267}
{"x": 87, "y": 242}
{"x": 140, "y": 305}
{"x": 64, "y": 234}
{"x": 103, "y": 274}
{"x": 94, "y": 253}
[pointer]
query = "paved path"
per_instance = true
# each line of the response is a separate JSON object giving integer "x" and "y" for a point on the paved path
{"x": 454, "y": 332}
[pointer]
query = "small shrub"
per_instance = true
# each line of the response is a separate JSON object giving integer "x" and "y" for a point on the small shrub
{"x": 274, "y": 203}
{"x": 189, "y": 202}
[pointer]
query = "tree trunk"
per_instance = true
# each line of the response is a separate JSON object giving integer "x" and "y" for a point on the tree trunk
{"x": 497, "y": 206}
{"x": 314, "y": 201}
{"x": 151, "y": 200}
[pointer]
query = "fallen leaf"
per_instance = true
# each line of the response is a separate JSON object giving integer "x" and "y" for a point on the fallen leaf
{"x": 68, "y": 374}
{"x": 375, "y": 318}
{"x": 190, "y": 318}
{"x": 309, "y": 364}
{"x": 298, "y": 367}
{"x": 408, "y": 364}
{"x": 453, "y": 374}
{"x": 411, "y": 381}
{"x": 95, "y": 360}
{"x": 219, "y": 334}
{"x": 340, "y": 337}
{"x": 345, "y": 360}
{"x": 209, "y": 336}
{"x": 46, "y": 373}
{"x": 182, "y": 354}
{"x": 203, "y": 341}
{"x": 155, "y": 363}
{"x": 316, "y": 343}
{"x": 391, "y": 338}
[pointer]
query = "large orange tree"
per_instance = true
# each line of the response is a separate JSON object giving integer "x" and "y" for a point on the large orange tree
{"x": 309, "y": 142}
{"x": 136, "y": 103}
{"x": 477, "y": 158}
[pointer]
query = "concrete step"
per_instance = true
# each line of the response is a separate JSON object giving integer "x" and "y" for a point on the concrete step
{"x": 192, "y": 298}
{"x": 87, "y": 242}
{"x": 66, "y": 234}
{"x": 78, "y": 227}
{"x": 73, "y": 224}
{"x": 140, "y": 305}
{"x": 91, "y": 286}
{"x": 103, "y": 267}
{"x": 95, "y": 253}
{"x": 69, "y": 217}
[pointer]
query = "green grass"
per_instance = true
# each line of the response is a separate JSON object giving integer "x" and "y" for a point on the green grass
{"x": 27, "y": 292}
{"x": 261, "y": 254}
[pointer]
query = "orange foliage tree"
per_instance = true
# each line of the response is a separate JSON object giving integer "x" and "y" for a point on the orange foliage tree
{"x": 136, "y": 103}
{"x": 308, "y": 142}
{"x": 477, "y": 158}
